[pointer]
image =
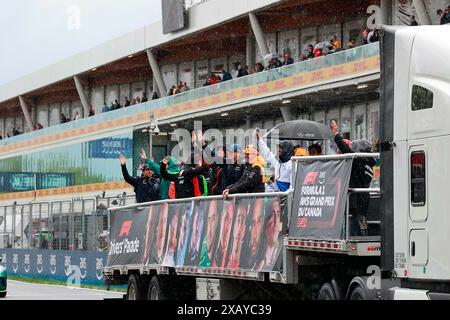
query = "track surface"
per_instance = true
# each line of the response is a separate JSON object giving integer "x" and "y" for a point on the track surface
{"x": 18, "y": 290}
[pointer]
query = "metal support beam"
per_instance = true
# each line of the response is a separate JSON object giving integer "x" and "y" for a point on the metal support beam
{"x": 422, "y": 14}
{"x": 157, "y": 75}
{"x": 287, "y": 113}
{"x": 386, "y": 8}
{"x": 260, "y": 40}
{"x": 84, "y": 100}
{"x": 26, "y": 113}
{"x": 250, "y": 52}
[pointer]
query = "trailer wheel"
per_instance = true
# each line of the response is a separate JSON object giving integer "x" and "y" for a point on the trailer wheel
{"x": 156, "y": 290}
{"x": 359, "y": 293}
{"x": 135, "y": 289}
{"x": 327, "y": 292}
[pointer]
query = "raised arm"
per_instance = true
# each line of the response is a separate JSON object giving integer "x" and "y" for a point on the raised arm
{"x": 266, "y": 153}
{"x": 343, "y": 147}
{"x": 155, "y": 167}
{"x": 164, "y": 173}
{"x": 126, "y": 175}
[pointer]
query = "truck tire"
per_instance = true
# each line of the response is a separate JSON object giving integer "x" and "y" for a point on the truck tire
{"x": 156, "y": 290}
{"x": 326, "y": 292}
{"x": 358, "y": 293}
{"x": 135, "y": 289}
{"x": 2, "y": 294}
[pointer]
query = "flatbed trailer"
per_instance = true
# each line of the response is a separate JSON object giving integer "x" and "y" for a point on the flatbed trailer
{"x": 406, "y": 257}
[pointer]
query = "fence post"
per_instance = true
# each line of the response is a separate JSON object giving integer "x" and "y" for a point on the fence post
{"x": 13, "y": 225}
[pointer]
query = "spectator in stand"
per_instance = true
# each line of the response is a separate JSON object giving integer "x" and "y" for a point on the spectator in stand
{"x": 412, "y": 21}
{"x": 138, "y": 100}
{"x": 226, "y": 75}
{"x": 365, "y": 35}
{"x": 144, "y": 97}
{"x": 351, "y": 44}
{"x": 374, "y": 36}
{"x": 273, "y": 63}
{"x": 127, "y": 102}
{"x": 117, "y": 104}
{"x": 259, "y": 67}
{"x": 38, "y": 126}
{"x": 309, "y": 54}
{"x": 91, "y": 111}
{"x": 335, "y": 43}
{"x": 16, "y": 131}
{"x": 444, "y": 17}
{"x": 186, "y": 87}
{"x": 76, "y": 116}
{"x": 172, "y": 91}
{"x": 287, "y": 59}
{"x": 240, "y": 71}
{"x": 111, "y": 107}
{"x": 64, "y": 118}
{"x": 155, "y": 96}
{"x": 448, "y": 12}
{"x": 318, "y": 52}
{"x": 105, "y": 108}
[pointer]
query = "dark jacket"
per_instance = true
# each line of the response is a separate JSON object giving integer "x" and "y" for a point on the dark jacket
{"x": 231, "y": 174}
{"x": 184, "y": 186}
{"x": 361, "y": 176}
{"x": 287, "y": 62}
{"x": 226, "y": 76}
{"x": 146, "y": 189}
{"x": 250, "y": 182}
{"x": 445, "y": 19}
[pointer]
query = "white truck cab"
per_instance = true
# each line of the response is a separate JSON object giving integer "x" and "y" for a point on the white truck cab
{"x": 415, "y": 160}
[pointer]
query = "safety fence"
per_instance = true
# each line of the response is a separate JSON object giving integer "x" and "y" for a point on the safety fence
{"x": 77, "y": 224}
{"x": 71, "y": 267}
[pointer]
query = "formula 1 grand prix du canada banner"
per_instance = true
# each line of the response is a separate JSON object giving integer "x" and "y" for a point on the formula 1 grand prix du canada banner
{"x": 241, "y": 233}
{"x": 320, "y": 196}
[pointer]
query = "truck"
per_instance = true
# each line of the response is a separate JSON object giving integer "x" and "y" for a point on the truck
{"x": 301, "y": 238}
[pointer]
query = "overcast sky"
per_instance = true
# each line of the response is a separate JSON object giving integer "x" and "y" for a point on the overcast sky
{"x": 37, "y": 33}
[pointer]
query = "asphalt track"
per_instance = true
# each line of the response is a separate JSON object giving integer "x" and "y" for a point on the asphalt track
{"x": 18, "y": 290}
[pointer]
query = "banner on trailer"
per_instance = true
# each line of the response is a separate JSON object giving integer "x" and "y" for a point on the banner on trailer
{"x": 320, "y": 195}
{"x": 244, "y": 234}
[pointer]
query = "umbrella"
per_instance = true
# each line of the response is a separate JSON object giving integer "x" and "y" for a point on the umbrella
{"x": 326, "y": 46}
{"x": 302, "y": 130}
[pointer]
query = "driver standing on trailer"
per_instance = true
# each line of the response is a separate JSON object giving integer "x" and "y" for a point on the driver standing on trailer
{"x": 361, "y": 177}
{"x": 146, "y": 187}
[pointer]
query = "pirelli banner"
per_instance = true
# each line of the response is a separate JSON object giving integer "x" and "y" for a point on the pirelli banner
{"x": 320, "y": 195}
{"x": 240, "y": 233}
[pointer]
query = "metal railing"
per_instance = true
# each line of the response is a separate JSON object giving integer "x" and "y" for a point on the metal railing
{"x": 77, "y": 224}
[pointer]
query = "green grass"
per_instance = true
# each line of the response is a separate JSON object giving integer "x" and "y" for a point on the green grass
{"x": 61, "y": 283}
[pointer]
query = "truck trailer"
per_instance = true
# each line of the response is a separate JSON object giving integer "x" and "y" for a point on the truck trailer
{"x": 297, "y": 244}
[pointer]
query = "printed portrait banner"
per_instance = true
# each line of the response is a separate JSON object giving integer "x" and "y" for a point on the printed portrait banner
{"x": 245, "y": 234}
{"x": 320, "y": 195}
